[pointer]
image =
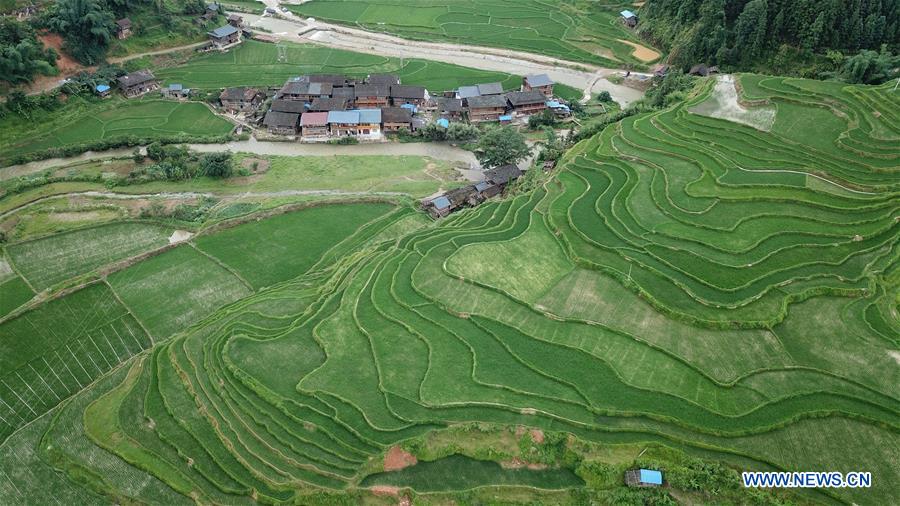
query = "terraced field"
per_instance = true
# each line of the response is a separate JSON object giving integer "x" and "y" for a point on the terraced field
{"x": 589, "y": 32}
{"x": 682, "y": 280}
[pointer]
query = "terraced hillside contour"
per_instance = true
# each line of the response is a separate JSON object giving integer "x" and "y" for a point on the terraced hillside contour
{"x": 683, "y": 279}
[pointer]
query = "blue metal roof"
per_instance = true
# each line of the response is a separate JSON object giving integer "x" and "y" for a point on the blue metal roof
{"x": 102, "y": 87}
{"x": 553, "y": 104}
{"x": 627, "y": 14}
{"x": 175, "y": 87}
{"x": 412, "y": 107}
{"x": 505, "y": 117}
{"x": 441, "y": 202}
{"x": 443, "y": 122}
{"x": 347, "y": 117}
{"x": 370, "y": 115}
{"x": 651, "y": 477}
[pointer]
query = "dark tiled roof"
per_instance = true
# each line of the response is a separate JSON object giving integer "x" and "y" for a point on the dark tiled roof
{"x": 490, "y": 89}
{"x": 449, "y": 104}
{"x": 240, "y": 93}
{"x": 328, "y": 104}
{"x": 502, "y": 174}
{"x": 372, "y": 90}
{"x": 281, "y": 119}
{"x": 487, "y": 101}
{"x": 135, "y": 78}
{"x": 410, "y": 92}
{"x": 293, "y": 106}
{"x": 123, "y": 23}
{"x": 395, "y": 115}
{"x": 535, "y": 80}
{"x": 346, "y": 92}
{"x": 333, "y": 79}
{"x": 383, "y": 79}
{"x": 525, "y": 97}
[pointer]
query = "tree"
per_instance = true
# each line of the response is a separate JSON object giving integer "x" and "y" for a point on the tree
{"x": 500, "y": 146}
{"x": 750, "y": 29}
{"x": 217, "y": 165}
{"x": 870, "y": 67}
{"x": 462, "y": 132}
{"x": 88, "y": 27}
{"x": 21, "y": 54}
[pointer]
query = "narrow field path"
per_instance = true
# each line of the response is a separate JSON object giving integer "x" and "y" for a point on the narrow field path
{"x": 120, "y": 59}
{"x": 586, "y": 77}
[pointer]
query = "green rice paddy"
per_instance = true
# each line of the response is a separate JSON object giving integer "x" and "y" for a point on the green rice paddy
{"x": 580, "y": 31}
{"x": 682, "y": 280}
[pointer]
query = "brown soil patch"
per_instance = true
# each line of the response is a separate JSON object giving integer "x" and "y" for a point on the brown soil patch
{"x": 513, "y": 463}
{"x": 537, "y": 435}
{"x": 640, "y": 52}
{"x": 66, "y": 64}
{"x": 396, "y": 459}
{"x": 385, "y": 490}
{"x": 262, "y": 165}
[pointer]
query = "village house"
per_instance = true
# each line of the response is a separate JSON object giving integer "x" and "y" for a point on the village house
{"x": 102, "y": 90}
{"x": 314, "y": 124}
{"x": 412, "y": 95}
{"x": 235, "y": 20}
{"x": 526, "y": 103}
{"x": 303, "y": 90}
{"x": 438, "y": 207}
{"x": 479, "y": 90}
{"x": 347, "y": 93}
{"x": 240, "y": 99}
{"x": 450, "y": 108}
{"x": 383, "y": 79}
{"x": 486, "y": 108}
{"x": 370, "y": 122}
{"x": 281, "y": 123}
{"x": 137, "y": 83}
{"x": 326, "y": 104}
{"x": 629, "y": 18}
{"x": 502, "y": 175}
{"x": 224, "y": 36}
{"x": 394, "y": 119}
{"x": 538, "y": 82}
{"x": 291, "y": 106}
{"x": 372, "y": 95}
{"x": 343, "y": 123}
{"x": 643, "y": 478}
{"x": 212, "y": 10}
{"x": 335, "y": 80}
{"x": 175, "y": 91}
{"x": 123, "y": 28}
{"x": 465, "y": 92}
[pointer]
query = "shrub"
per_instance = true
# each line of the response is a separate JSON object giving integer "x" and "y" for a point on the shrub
{"x": 217, "y": 165}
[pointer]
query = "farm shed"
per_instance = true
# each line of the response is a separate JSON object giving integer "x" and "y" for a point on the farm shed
{"x": 240, "y": 99}
{"x": 643, "y": 478}
{"x": 414, "y": 95}
{"x": 396, "y": 118}
{"x": 372, "y": 95}
{"x": 102, "y": 90}
{"x": 281, "y": 123}
{"x": 629, "y": 18}
{"x": 137, "y": 83}
{"x": 292, "y": 106}
{"x": 176, "y": 91}
{"x": 123, "y": 28}
{"x": 661, "y": 70}
{"x": 343, "y": 123}
{"x": 383, "y": 79}
{"x": 487, "y": 108}
{"x": 314, "y": 124}
{"x": 699, "y": 70}
{"x": 325, "y": 104}
{"x": 538, "y": 82}
{"x": 438, "y": 207}
{"x": 527, "y": 102}
{"x": 224, "y": 36}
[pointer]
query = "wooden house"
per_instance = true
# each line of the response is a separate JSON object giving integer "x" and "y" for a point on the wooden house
{"x": 643, "y": 478}
{"x": 538, "y": 82}
{"x": 413, "y": 95}
{"x": 451, "y": 108}
{"x": 240, "y": 99}
{"x": 370, "y": 122}
{"x": 137, "y": 83}
{"x": 326, "y": 104}
{"x": 383, "y": 79}
{"x": 123, "y": 28}
{"x": 503, "y": 175}
{"x": 526, "y": 103}
{"x": 281, "y": 123}
{"x": 343, "y": 123}
{"x": 224, "y": 36}
{"x": 291, "y": 106}
{"x": 235, "y": 20}
{"x": 394, "y": 119}
{"x": 176, "y": 91}
{"x": 372, "y": 95}
{"x": 314, "y": 124}
{"x": 486, "y": 108}
{"x": 438, "y": 207}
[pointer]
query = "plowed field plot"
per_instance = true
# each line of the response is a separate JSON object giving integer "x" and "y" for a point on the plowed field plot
{"x": 683, "y": 279}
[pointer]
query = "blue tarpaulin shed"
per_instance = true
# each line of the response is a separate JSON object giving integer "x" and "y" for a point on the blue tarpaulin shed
{"x": 651, "y": 477}
{"x": 443, "y": 122}
{"x": 627, "y": 14}
{"x": 102, "y": 88}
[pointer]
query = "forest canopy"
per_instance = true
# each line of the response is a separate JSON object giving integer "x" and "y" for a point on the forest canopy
{"x": 22, "y": 55}
{"x": 756, "y": 34}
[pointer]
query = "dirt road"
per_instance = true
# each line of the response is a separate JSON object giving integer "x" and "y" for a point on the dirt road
{"x": 585, "y": 77}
